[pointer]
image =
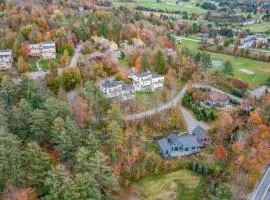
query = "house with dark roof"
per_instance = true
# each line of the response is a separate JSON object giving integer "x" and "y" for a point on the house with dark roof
{"x": 177, "y": 146}
{"x": 202, "y": 136}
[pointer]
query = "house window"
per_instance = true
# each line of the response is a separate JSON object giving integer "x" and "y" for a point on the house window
{"x": 193, "y": 148}
{"x": 176, "y": 148}
{"x": 186, "y": 149}
{"x": 205, "y": 139}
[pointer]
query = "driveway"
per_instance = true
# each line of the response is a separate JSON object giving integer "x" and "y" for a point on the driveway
{"x": 262, "y": 192}
{"x": 75, "y": 57}
{"x": 190, "y": 120}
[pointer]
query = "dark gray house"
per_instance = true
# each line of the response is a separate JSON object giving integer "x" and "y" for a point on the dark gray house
{"x": 177, "y": 146}
{"x": 202, "y": 136}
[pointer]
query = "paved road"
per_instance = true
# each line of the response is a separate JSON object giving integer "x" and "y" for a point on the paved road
{"x": 190, "y": 120}
{"x": 190, "y": 39}
{"x": 75, "y": 57}
{"x": 165, "y": 106}
{"x": 262, "y": 192}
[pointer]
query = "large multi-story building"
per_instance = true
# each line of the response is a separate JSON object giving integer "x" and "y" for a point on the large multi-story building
{"x": 5, "y": 59}
{"x": 146, "y": 81}
{"x": 117, "y": 89}
{"x": 44, "y": 50}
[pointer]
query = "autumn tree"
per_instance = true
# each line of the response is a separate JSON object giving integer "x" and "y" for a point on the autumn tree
{"x": 221, "y": 153}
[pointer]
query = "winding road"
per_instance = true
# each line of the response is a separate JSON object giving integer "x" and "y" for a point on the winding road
{"x": 190, "y": 120}
{"x": 262, "y": 192}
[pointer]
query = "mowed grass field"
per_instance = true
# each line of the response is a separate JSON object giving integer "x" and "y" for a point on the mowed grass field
{"x": 258, "y": 28}
{"x": 260, "y": 69}
{"x": 180, "y": 185}
{"x": 170, "y": 5}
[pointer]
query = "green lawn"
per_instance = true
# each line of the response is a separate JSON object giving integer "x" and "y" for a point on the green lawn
{"x": 170, "y": 5}
{"x": 185, "y": 184}
{"x": 43, "y": 64}
{"x": 258, "y": 28}
{"x": 261, "y": 69}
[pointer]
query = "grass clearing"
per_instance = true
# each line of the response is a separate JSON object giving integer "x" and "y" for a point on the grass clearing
{"x": 183, "y": 184}
{"x": 170, "y": 5}
{"x": 43, "y": 64}
{"x": 261, "y": 69}
{"x": 258, "y": 28}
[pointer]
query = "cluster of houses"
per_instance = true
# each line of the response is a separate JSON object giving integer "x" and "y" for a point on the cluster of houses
{"x": 5, "y": 59}
{"x": 43, "y": 50}
{"x": 182, "y": 145}
{"x": 106, "y": 46}
{"x": 249, "y": 40}
{"x": 145, "y": 81}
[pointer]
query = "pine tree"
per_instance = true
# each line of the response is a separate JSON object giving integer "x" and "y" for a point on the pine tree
{"x": 39, "y": 126}
{"x": 228, "y": 69}
{"x": 60, "y": 185}
{"x": 10, "y": 158}
{"x": 97, "y": 167}
{"x": 160, "y": 62}
{"x": 35, "y": 166}
{"x": 103, "y": 28}
{"x": 17, "y": 47}
{"x": 145, "y": 62}
{"x": 21, "y": 120}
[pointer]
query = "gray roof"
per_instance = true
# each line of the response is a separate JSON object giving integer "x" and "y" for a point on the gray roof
{"x": 187, "y": 141}
{"x": 111, "y": 84}
{"x": 199, "y": 132}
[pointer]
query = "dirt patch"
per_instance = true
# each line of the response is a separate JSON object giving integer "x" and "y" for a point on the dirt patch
{"x": 246, "y": 71}
{"x": 131, "y": 193}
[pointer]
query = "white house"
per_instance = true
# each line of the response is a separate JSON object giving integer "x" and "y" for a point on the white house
{"x": 146, "y": 81}
{"x": 48, "y": 50}
{"x": 5, "y": 59}
{"x": 44, "y": 50}
{"x": 117, "y": 89}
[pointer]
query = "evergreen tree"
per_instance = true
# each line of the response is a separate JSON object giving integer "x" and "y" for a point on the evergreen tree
{"x": 10, "y": 159}
{"x": 198, "y": 57}
{"x": 86, "y": 187}
{"x": 81, "y": 32}
{"x": 39, "y": 126}
{"x": 228, "y": 69}
{"x": 17, "y": 47}
{"x": 21, "y": 120}
{"x": 9, "y": 92}
{"x": 97, "y": 167}
{"x": 103, "y": 28}
{"x": 60, "y": 185}
{"x": 35, "y": 166}
{"x": 205, "y": 62}
{"x": 160, "y": 62}
{"x": 29, "y": 91}
{"x": 145, "y": 62}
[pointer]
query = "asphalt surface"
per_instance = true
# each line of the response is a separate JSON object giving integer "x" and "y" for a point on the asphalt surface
{"x": 190, "y": 120}
{"x": 75, "y": 57}
{"x": 262, "y": 192}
